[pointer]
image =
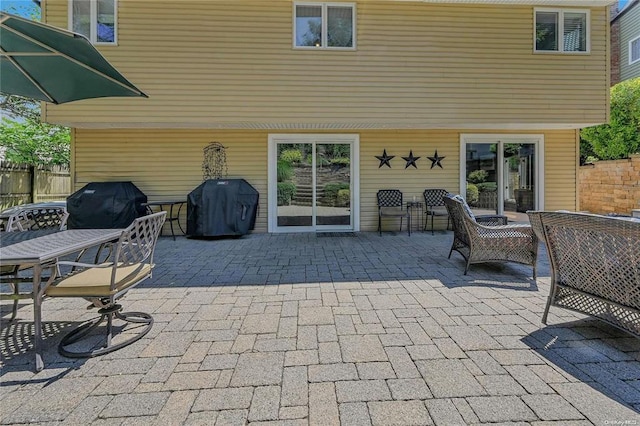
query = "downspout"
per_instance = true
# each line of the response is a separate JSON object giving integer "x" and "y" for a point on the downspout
{"x": 72, "y": 159}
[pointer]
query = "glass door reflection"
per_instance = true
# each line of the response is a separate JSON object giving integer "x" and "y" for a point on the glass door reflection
{"x": 482, "y": 177}
{"x": 502, "y": 178}
{"x": 314, "y": 186}
{"x": 295, "y": 184}
{"x": 333, "y": 188}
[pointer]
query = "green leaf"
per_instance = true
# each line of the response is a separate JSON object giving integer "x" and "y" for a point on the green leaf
{"x": 35, "y": 143}
{"x": 621, "y": 136}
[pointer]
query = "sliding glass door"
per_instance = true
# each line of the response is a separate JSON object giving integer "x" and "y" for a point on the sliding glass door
{"x": 501, "y": 174}
{"x": 313, "y": 183}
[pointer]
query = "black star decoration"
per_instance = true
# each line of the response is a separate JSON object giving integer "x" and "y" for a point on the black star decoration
{"x": 435, "y": 160}
{"x": 411, "y": 160}
{"x": 384, "y": 159}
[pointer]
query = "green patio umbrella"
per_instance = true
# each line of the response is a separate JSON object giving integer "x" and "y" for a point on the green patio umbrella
{"x": 50, "y": 64}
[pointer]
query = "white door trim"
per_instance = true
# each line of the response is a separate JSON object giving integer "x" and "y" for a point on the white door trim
{"x": 272, "y": 186}
{"x": 501, "y": 139}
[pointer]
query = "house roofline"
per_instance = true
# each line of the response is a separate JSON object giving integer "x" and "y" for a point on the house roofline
{"x": 627, "y": 7}
{"x": 333, "y": 126}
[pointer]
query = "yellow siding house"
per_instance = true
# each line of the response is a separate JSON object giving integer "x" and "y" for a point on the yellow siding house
{"x": 308, "y": 97}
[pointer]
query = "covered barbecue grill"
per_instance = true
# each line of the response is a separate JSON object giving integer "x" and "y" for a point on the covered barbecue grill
{"x": 221, "y": 207}
{"x": 105, "y": 205}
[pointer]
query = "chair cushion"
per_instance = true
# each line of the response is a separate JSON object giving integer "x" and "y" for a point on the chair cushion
{"x": 11, "y": 269}
{"x": 392, "y": 211}
{"x": 7, "y": 269}
{"x": 504, "y": 237}
{"x": 438, "y": 211}
{"x": 466, "y": 207}
{"x": 95, "y": 282}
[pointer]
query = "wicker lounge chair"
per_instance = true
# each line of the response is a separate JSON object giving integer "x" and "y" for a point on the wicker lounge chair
{"x": 103, "y": 284}
{"x": 595, "y": 265}
{"x": 30, "y": 219}
{"x": 488, "y": 239}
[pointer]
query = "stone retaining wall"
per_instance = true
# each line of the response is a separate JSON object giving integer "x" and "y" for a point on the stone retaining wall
{"x": 610, "y": 186}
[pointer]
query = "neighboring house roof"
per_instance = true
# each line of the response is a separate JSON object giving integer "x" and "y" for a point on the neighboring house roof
{"x": 630, "y": 5}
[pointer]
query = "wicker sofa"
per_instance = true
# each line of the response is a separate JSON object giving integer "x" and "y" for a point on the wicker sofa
{"x": 595, "y": 265}
{"x": 488, "y": 238}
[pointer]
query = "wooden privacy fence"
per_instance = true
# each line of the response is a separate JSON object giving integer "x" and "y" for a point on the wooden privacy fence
{"x": 23, "y": 183}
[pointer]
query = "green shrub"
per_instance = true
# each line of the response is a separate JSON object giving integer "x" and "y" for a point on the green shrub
{"x": 487, "y": 187}
{"x": 472, "y": 194}
{"x": 285, "y": 171}
{"x": 331, "y": 189}
{"x": 344, "y": 198}
{"x": 286, "y": 192}
{"x": 342, "y": 161}
{"x": 320, "y": 161}
{"x": 337, "y": 150}
{"x": 291, "y": 156}
{"x": 478, "y": 176}
{"x": 621, "y": 136}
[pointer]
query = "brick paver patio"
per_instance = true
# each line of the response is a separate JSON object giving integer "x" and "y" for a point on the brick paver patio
{"x": 304, "y": 329}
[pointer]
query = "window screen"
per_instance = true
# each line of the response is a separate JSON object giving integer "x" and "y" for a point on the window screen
{"x": 634, "y": 50}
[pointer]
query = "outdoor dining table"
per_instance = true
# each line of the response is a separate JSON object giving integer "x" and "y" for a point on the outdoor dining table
{"x": 42, "y": 249}
{"x": 171, "y": 215}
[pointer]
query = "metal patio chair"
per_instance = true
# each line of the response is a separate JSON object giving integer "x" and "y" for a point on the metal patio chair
{"x": 434, "y": 206}
{"x": 390, "y": 205}
{"x": 32, "y": 219}
{"x": 103, "y": 284}
{"x": 488, "y": 238}
{"x": 29, "y": 219}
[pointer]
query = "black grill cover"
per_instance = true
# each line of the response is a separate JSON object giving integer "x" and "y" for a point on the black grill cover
{"x": 105, "y": 205}
{"x": 221, "y": 207}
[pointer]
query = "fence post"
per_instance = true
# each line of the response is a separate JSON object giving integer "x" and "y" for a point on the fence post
{"x": 32, "y": 179}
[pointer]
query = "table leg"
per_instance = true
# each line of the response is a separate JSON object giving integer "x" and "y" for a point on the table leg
{"x": 37, "y": 317}
{"x": 171, "y": 221}
{"x": 179, "y": 210}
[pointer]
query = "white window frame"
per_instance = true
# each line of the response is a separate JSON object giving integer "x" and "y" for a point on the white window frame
{"x": 561, "y": 13}
{"x": 93, "y": 36}
{"x": 272, "y": 182}
{"x": 631, "y": 60}
{"x": 500, "y": 140}
{"x": 325, "y": 34}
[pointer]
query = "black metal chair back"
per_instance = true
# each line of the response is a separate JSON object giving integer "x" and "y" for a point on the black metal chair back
{"x": 390, "y": 205}
{"x": 389, "y": 198}
{"x": 434, "y": 197}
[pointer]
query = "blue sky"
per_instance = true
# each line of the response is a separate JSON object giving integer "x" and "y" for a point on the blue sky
{"x": 24, "y": 8}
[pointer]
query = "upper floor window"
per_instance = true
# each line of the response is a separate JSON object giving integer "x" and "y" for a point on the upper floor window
{"x": 561, "y": 30}
{"x": 324, "y": 25}
{"x": 634, "y": 50}
{"x": 95, "y": 19}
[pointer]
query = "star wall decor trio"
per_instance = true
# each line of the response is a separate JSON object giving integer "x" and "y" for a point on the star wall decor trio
{"x": 385, "y": 160}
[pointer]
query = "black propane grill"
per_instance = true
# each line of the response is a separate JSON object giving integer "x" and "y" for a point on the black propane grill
{"x": 105, "y": 205}
{"x": 222, "y": 207}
